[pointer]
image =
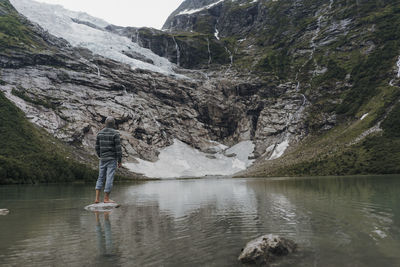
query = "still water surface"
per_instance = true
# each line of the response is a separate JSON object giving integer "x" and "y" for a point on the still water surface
{"x": 347, "y": 221}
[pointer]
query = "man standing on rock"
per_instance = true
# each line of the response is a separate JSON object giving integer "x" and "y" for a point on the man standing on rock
{"x": 108, "y": 149}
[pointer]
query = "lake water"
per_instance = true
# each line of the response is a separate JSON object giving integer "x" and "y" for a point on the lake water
{"x": 347, "y": 221}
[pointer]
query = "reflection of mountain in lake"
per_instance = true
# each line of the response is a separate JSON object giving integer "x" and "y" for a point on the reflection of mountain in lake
{"x": 335, "y": 221}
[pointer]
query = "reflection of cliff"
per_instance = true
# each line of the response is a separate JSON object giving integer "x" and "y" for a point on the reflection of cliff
{"x": 194, "y": 221}
{"x": 340, "y": 212}
{"x": 201, "y": 216}
{"x": 205, "y": 222}
{"x": 180, "y": 198}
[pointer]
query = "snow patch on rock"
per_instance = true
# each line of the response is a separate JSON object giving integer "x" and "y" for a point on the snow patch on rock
{"x": 216, "y": 34}
{"x": 364, "y": 116}
{"x": 379, "y": 233}
{"x": 181, "y": 160}
{"x": 192, "y": 11}
{"x": 279, "y": 150}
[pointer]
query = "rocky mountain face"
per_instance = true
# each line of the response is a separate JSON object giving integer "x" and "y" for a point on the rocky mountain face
{"x": 342, "y": 57}
{"x": 186, "y": 50}
{"x": 70, "y": 92}
{"x": 273, "y": 72}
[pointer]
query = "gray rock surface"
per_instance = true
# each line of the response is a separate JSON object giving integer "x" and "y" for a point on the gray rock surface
{"x": 70, "y": 91}
{"x": 266, "y": 249}
{"x": 102, "y": 207}
{"x": 4, "y": 212}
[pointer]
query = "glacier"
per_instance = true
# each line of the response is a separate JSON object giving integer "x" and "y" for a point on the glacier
{"x": 181, "y": 160}
{"x": 90, "y": 34}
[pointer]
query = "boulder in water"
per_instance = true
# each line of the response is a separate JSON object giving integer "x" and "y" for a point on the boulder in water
{"x": 4, "y": 211}
{"x": 265, "y": 249}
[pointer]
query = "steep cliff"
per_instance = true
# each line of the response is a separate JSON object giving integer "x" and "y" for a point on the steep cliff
{"x": 186, "y": 49}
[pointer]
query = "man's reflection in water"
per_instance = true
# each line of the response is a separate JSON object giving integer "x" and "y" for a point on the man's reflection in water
{"x": 104, "y": 242}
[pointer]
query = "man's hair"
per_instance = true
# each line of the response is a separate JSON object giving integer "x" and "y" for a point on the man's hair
{"x": 110, "y": 122}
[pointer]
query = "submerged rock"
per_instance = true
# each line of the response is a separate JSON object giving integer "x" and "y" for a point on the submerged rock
{"x": 265, "y": 249}
{"x": 102, "y": 206}
{"x": 4, "y": 211}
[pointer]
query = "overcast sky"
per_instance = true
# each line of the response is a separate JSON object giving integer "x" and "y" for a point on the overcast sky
{"x": 137, "y": 13}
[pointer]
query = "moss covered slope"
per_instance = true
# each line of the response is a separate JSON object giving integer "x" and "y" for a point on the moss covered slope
{"x": 30, "y": 155}
{"x": 16, "y": 32}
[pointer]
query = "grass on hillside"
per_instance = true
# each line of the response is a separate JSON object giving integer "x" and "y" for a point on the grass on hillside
{"x": 14, "y": 34}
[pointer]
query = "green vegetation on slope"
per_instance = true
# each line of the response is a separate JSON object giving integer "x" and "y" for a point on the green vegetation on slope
{"x": 337, "y": 152}
{"x": 374, "y": 155}
{"x": 29, "y": 155}
{"x": 14, "y": 34}
{"x": 36, "y": 101}
{"x": 372, "y": 22}
{"x": 377, "y": 154}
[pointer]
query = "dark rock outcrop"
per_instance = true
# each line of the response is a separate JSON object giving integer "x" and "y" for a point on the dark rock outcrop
{"x": 187, "y": 50}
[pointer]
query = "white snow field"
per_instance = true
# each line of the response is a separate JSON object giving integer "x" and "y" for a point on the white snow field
{"x": 279, "y": 150}
{"x": 58, "y": 21}
{"x": 181, "y": 160}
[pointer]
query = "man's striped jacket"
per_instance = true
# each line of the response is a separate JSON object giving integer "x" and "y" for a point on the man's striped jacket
{"x": 108, "y": 145}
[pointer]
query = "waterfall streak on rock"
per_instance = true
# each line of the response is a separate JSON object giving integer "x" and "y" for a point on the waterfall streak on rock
{"x": 98, "y": 70}
{"x": 137, "y": 37}
{"x": 313, "y": 45}
{"x": 209, "y": 52}
{"x": 230, "y": 56}
{"x": 391, "y": 83}
{"x": 178, "y": 52}
{"x": 216, "y": 33}
{"x": 330, "y": 4}
{"x": 398, "y": 67}
{"x": 316, "y": 33}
